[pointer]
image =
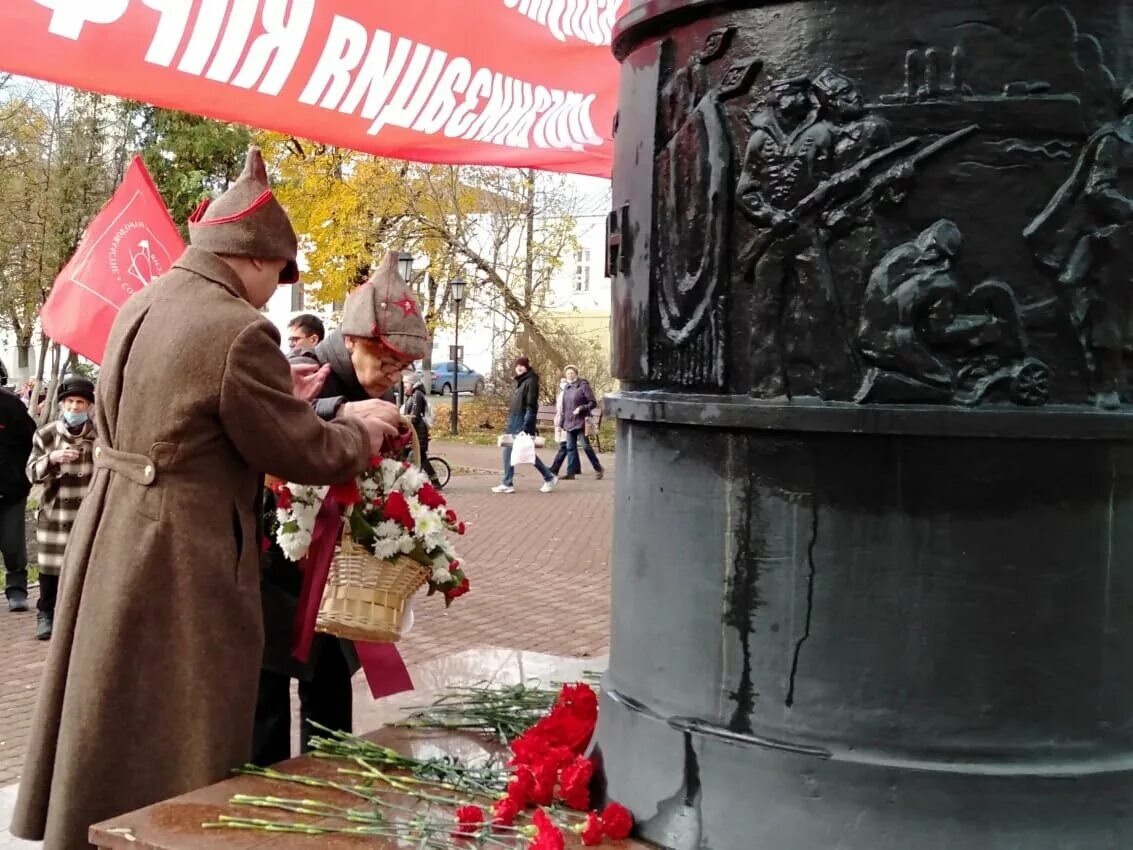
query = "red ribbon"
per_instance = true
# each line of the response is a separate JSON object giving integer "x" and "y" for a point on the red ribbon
{"x": 383, "y": 665}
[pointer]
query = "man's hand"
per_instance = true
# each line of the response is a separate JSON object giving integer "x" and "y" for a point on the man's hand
{"x": 381, "y": 418}
{"x": 309, "y": 379}
{"x": 63, "y": 456}
{"x": 578, "y": 411}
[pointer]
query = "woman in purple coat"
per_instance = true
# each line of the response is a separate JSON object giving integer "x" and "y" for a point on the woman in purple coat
{"x": 578, "y": 403}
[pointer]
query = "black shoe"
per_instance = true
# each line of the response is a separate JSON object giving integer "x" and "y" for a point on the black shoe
{"x": 17, "y": 600}
{"x": 598, "y": 474}
{"x": 44, "y": 623}
{"x": 568, "y": 477}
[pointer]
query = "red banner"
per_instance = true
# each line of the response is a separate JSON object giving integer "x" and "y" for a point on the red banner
{"x": 130, "y": 242}
{"x": 528, "y": 83}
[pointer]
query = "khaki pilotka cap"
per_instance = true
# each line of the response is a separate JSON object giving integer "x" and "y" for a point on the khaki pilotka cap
{"x": 247, "y": 221}
{"x": 384, "y": 308}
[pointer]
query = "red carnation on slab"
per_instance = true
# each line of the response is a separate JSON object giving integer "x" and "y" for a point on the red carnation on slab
{"x": 505, "y": 811}
{"x": 549, "y": 836}
{"x": 469, "y": 819}
{"x": 592, "y": 832}
{"x": 574, "y": 784}
{"x": 617, "y": 822}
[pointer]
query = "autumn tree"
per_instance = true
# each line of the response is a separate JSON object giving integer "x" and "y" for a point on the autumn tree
{"x": 504, "y": 231}
{"x": 63, "y": 153}
{"x": 189, "y": 157}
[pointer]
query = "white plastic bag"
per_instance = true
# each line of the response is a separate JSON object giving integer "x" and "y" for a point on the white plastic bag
{"x": 522, "y": 450}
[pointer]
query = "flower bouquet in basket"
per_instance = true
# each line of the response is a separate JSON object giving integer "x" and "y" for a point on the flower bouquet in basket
{"x": 395, "y": 538}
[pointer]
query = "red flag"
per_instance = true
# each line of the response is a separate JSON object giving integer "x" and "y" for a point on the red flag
{"x": 528, "y": 83}
{"x": 130, "y": 242}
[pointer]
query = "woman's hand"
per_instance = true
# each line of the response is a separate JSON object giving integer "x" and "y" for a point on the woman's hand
{"x": 60, "y": 456}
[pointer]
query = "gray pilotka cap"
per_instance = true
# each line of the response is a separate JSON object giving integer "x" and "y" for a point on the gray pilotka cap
{"x": 247, "y": 221}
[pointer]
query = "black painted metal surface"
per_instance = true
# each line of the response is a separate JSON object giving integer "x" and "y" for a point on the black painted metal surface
{"x": 873, "y": 584}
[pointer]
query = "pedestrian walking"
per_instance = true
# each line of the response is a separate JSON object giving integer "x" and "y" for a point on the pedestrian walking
{"x": 16, "y": 432}
{"x": 523, "y": 411}
{"x": 62, "y": 461}
{"x": 578, "y": 402}
{"x": 420, "y": 413}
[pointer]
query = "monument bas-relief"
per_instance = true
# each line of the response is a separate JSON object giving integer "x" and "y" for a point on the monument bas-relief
{"x": 818, "y": 213}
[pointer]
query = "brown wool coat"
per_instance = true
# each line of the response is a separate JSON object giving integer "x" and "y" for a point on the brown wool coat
{"x": 151, "y": 677}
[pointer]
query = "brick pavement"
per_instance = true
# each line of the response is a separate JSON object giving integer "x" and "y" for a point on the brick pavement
{"x": 538, "y": 563}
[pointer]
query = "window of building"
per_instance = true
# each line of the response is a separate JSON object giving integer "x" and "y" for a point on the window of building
{"x": 582, "y": 270}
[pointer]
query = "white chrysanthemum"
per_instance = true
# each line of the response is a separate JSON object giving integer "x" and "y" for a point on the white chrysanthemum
{"x": 412, "y": 481}
{"x": 388, "y": 529}
{"x": 441, "y": 575}
{"x": 386, "y": 548}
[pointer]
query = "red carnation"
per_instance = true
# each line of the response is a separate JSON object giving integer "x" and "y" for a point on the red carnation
{"x": 617, "y": 821}
{"x": 469, "y": 820}
{"x": 450, "y": 515}
{"x": 396, "y": 508}
{"x": 522, "y": 785}
{"x": 574, "y": 784}
{"x": 549, "y": 836}
{"x": 592, "y": 832}
{"x": 429, "y": 497}
{"x": 546, "y": 777}
{"x": 283, "y": 498}
{"x": 460, "y": 528}
{"x": 505, "y": 811}
{"x": 529, "y": 748}
{"x": 458, "y": 591}
{"x": 375, "y": 461}
{"x": 345, "y": 494}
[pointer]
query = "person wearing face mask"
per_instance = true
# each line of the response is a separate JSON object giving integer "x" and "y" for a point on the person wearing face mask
{"x": 62, "y": 461}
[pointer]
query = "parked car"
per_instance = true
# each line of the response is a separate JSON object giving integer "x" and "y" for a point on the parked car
{"x": 445, "y": 377}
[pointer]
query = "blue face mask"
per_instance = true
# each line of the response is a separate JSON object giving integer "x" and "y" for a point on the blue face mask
{"x": 75, "y": 419}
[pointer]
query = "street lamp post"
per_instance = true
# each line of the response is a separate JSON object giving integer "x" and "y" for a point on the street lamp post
{"x": 405, "y": 269}
{"x": 456, "y": 287}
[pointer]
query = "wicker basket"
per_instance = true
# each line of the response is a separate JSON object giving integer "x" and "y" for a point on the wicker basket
{"x": 365, "y": 596}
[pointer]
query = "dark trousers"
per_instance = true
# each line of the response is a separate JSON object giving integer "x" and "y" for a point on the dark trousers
{"x": 13, "y": 544}
{"x": 48, "y": 593}
{"x": 568, "y": 450}
{"x": 327, "y": 699}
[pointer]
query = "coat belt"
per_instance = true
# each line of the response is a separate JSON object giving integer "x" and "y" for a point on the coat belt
{"x": 138, "y": 468}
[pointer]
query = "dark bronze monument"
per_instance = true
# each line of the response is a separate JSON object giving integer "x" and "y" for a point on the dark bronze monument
{"x": 873, "y": 311}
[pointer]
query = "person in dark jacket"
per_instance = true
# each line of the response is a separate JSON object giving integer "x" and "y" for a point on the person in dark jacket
{"x": 577, "y": 404}
{"x": 417, "y": 408}
{"x": 522, "y": 413}
{"x": 16, "y": 432}
{"x": 365, "y": 359}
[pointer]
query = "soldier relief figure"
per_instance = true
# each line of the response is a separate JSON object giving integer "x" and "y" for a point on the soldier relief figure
{"x": 807, "y": 137}
{"x": 1084, "y": 237}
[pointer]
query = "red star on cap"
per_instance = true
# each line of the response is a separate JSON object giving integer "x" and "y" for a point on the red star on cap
{"x": 408, "y": 306}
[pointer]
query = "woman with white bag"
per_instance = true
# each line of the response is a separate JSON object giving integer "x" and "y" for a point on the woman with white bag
{"x": 521, "y": 417}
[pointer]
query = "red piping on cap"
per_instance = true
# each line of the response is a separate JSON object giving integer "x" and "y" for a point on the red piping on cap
{"x": 228, "y": 219}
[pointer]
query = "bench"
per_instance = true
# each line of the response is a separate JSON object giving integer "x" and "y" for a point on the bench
{"x": 545, "y": 418}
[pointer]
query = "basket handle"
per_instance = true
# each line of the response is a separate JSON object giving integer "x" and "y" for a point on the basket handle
{"x": 415, "y": 451}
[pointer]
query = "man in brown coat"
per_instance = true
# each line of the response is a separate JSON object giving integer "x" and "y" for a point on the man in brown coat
{"x": 150, "y": 685}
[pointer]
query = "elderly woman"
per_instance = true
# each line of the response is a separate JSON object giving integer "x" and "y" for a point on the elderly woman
{"x": 578, "y": 402}
{"x": 382, "y": 333}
